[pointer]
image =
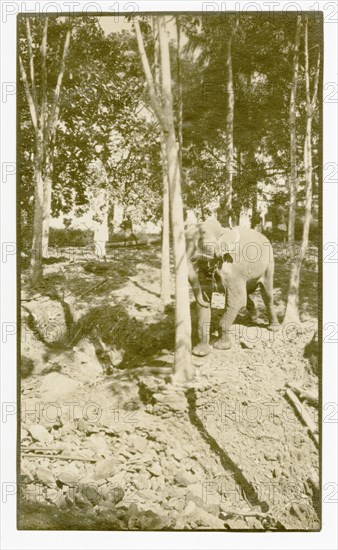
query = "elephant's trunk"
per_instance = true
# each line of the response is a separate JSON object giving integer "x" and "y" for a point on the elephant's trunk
{"x": 199, "y": 299}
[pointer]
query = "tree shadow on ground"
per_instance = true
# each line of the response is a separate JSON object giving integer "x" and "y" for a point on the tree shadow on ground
{"x": 140, "y": 342}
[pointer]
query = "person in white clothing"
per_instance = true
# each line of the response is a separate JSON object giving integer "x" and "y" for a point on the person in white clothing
{"x": 100, "y": 239}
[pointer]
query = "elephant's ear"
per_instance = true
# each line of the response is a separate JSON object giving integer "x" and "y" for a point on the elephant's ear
{"x": 227, "y": 258}
{"x": 228, "y": 243}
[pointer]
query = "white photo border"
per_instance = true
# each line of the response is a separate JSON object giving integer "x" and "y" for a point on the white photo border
{"x": 13, "y": 539}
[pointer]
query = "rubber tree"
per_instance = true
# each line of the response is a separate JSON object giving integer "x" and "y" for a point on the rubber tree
{"x": 163, "y": 109}
{"x": 44, "y": 116}
{"x": 165, "y": 259}
{"x": 229, "y": 134}
{"x": 292, "y": 308}
{"x": 293, "y": 136}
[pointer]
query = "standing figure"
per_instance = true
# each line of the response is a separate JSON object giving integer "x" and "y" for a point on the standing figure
{"x": 101, "y": 236}
{"x": 127, "y": 228}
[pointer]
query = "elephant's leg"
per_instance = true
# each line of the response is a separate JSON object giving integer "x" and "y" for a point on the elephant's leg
{"x": 236, "y": 298}
{"x": 203, "y": 304}
{"x": 251, "y": 309}
{"x": 204, "y": 319}
{"x": 266, "y": 287}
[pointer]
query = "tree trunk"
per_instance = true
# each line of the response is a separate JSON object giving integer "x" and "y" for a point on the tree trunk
{"x": 50, "y": 124}
{"x": 293, "y": 138}
{"x": 292, "y": 308}
{"x": 47, "y": 203}
{"x": 179, "y": 88}
{"x": 165, "y": 267}
{"x": 163, "y": 109}
{"x": 44, "y": 120}
{"x": 229, "y": 136}
{"x": 35, "y": 272}
{"x": 184, "y": 369}
{"x": 165, "y": 263}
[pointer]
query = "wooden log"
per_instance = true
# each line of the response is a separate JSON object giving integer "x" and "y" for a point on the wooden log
{"x": 59, "y": 457}
{"x": 306, "y": 418}
{"x": 311, "y": 398}
{"x": 92, "y": 288}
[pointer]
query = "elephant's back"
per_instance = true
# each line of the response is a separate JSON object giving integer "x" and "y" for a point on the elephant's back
{"x": 248, "y": 235}
{"x": 255, "y": 248}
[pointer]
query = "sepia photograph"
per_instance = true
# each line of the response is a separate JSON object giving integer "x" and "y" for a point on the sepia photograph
{"x": 169, "y": 234}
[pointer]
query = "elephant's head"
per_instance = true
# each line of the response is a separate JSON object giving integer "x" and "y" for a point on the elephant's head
{"x": 213, "y": 254}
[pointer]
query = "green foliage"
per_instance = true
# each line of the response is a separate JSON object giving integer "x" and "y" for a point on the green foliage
{"x": 262, "y": 50}
{"x": 105, "y": 113}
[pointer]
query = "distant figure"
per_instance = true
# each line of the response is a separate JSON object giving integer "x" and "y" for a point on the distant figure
{"x": 127, "y": 228}
{"x": 101, "y": 237}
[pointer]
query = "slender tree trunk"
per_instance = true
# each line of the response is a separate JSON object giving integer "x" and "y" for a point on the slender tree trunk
{"x": 50, "y": 124}
{"x": 35, "y": 273}
{"x": 179, "y": 88}
{"x": 165, "y": 260}
{"x": 165, "y": 267}
{"x": 293, "y": 137}
{"x": 229, "y": 139}
{"x": 292, "y": 308}
{"x": 44, "y": 120}
{"x": 183, "y": 363}
{"x": 47, "y": 202}
{"x": 163, "y": 108}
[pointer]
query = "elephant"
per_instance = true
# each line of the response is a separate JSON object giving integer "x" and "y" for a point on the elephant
{"x": 233, "y": 261}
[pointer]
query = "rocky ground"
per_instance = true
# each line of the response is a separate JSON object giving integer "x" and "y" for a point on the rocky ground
{"x": 107, "y": 442}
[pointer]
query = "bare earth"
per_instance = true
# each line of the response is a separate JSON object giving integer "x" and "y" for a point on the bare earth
{"x": 105, "y": 446}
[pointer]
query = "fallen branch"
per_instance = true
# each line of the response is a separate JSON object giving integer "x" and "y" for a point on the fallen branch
{"x": 245, "y": 514}
{"x": 60, "y": 457}
{"x": 311, "y": 398}
{"x": 92, "y": 288}
{"x": 307, "y": 420}
{"x": 42, "y": 449}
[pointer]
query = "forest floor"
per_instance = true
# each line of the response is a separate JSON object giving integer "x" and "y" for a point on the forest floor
{"x": 106, "y": 444}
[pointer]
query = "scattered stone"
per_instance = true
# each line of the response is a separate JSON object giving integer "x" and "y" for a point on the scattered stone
{"x": 69, "y": 475}
{"x": 26, "y": 473}
{"x": 205, "y": 519}
{"x": 40, "y": 433}
{"x": 270, "y": 456}
{"x": 189, "y": 509}
{"x": 98, "y": 443}
{"x": 113, "y": 493}
{"x": 45, "y": 476}
{"x": 139, "y": 443}
{"x": 155, "y": 469}
{"x": 84, "y": 426}
{"x": 178, "y": 453}
{"x": 295, "y": 511}
{"x": 91, "y": 492}
{"x": 82, "y": 502}
{"x": 276, "y": 472}
{"x": 183, "y": 480}
{"x": 105, "y": 468}
{"x": 253, "y": 523}
{"x": 235, "y": 524}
